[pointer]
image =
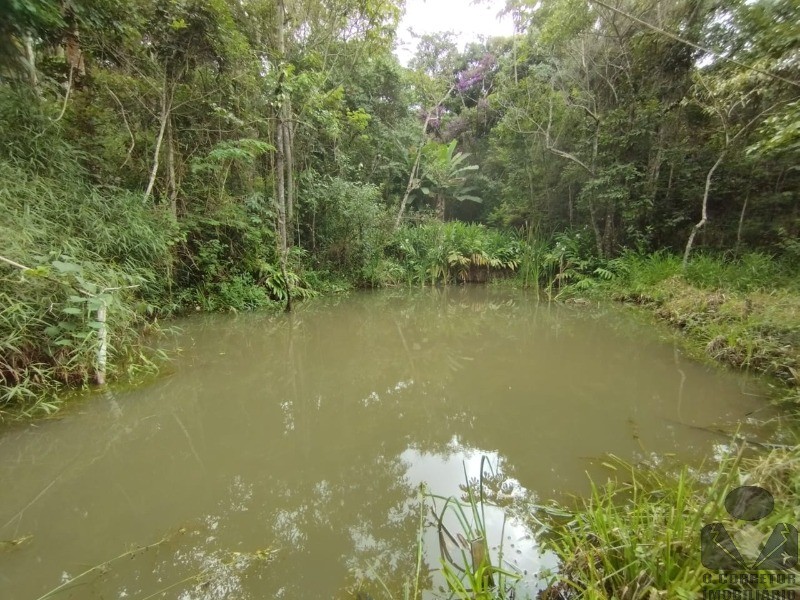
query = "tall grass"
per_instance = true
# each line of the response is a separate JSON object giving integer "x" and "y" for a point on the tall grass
{"x": 750, "y": 272}
{"x": 637, "y": 537}
{"x": 470, "y": 568}
{"x": 80, "y": 247}
{"x": 534, "y": 259}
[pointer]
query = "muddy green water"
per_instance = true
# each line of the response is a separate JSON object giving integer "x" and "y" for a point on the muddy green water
{"x": 307, "y": 436}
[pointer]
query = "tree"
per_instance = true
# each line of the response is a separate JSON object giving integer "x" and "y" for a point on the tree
{"x": 446, "y": 176}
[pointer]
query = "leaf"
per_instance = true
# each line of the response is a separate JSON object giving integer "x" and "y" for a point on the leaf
{"x": 88, "y": 286}
{"x": 95, "y": 303}
{"x": 604, "y": 273}
{"x": 66, "y": 267}
{"x": 40, "y": 271}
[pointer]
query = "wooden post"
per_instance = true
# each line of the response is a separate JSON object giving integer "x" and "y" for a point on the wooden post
{"x": 481, "y": 564}
{"x": 102, "y": 348}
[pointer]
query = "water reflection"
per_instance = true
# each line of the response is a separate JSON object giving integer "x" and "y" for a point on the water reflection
{"x": 513, "y": 545}
{"x": 287, "y": 451}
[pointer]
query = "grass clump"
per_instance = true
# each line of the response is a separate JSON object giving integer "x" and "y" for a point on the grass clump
{"x": 755, "y": 331}
{"x": 637, "y": 537}
{"x": 470, "y": 568}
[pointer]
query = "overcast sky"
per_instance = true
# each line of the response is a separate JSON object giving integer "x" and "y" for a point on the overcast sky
{"x": 461, "y": 16}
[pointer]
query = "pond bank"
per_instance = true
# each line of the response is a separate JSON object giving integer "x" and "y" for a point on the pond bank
{"x": 753, "y": 331}
{"x": 638, "y": 535}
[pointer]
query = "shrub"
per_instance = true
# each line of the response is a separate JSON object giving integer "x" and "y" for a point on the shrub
{"x": 453, "y": 252}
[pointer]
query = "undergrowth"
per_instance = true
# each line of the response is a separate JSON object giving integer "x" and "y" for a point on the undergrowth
{"x": 744, "y": 313}
{"x": 638, "y": 536}
{"x": 434, "y": 253}
{"x": 74, "y": 247}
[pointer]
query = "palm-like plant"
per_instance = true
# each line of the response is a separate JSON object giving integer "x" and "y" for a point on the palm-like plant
{"x": 445, "y": 175}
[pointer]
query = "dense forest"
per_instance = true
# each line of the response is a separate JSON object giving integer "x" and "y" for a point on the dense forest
{"x": 160, "y": 158}
{"x": 165, "y": 156}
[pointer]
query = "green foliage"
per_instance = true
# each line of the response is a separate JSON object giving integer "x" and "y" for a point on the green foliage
{"x": 31, "y": 140}
{"x": 348, "y": 226}
{"x": 754, "y": 271}
{"x": 780, "y": 133}
{"x": 293, "y": 281}
{"x": 224, "y": 153}
{"x": 534, "y": 264}
{"x": 228, "y": 260}
{"x": 636, "y": 536}
{"x": 569, "y": 262}
{"x": 22, "y": 18}
{"x": 617, "y": 128}
{"x": 454, "y": 252}
{"x": 82, "y": 248}
{"x": 601, "y": 134}
{"x": 445, "y": 174}
{"x": 640, "y": 275}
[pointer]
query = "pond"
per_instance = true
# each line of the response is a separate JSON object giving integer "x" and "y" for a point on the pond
{"x": 281, "y": 456}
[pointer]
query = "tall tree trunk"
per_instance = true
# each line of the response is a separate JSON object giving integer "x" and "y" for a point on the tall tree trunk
{"x": 668, "y": 193}
{"x": 288, "y": 143}
{"x": 656, "y": 160}
{"x": 30, "y": 63}
{"x": 608, "y": 232}
{"x": 172, "y": 180}
{"x": 570, "y": 206}
{"x": 280, "y": 157}
{"x": 741, "y": 221}
{"x": 598, "y": 238}
{"x": 729, "y": 141}
{"x": 166, "y": 107}
{"x": 413, "y": 181}
{"x": 704, "y": 214}
{"x": 72, "y": 45}
{"x": 440, "y": 206}
{"x": 280, "y": 195}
